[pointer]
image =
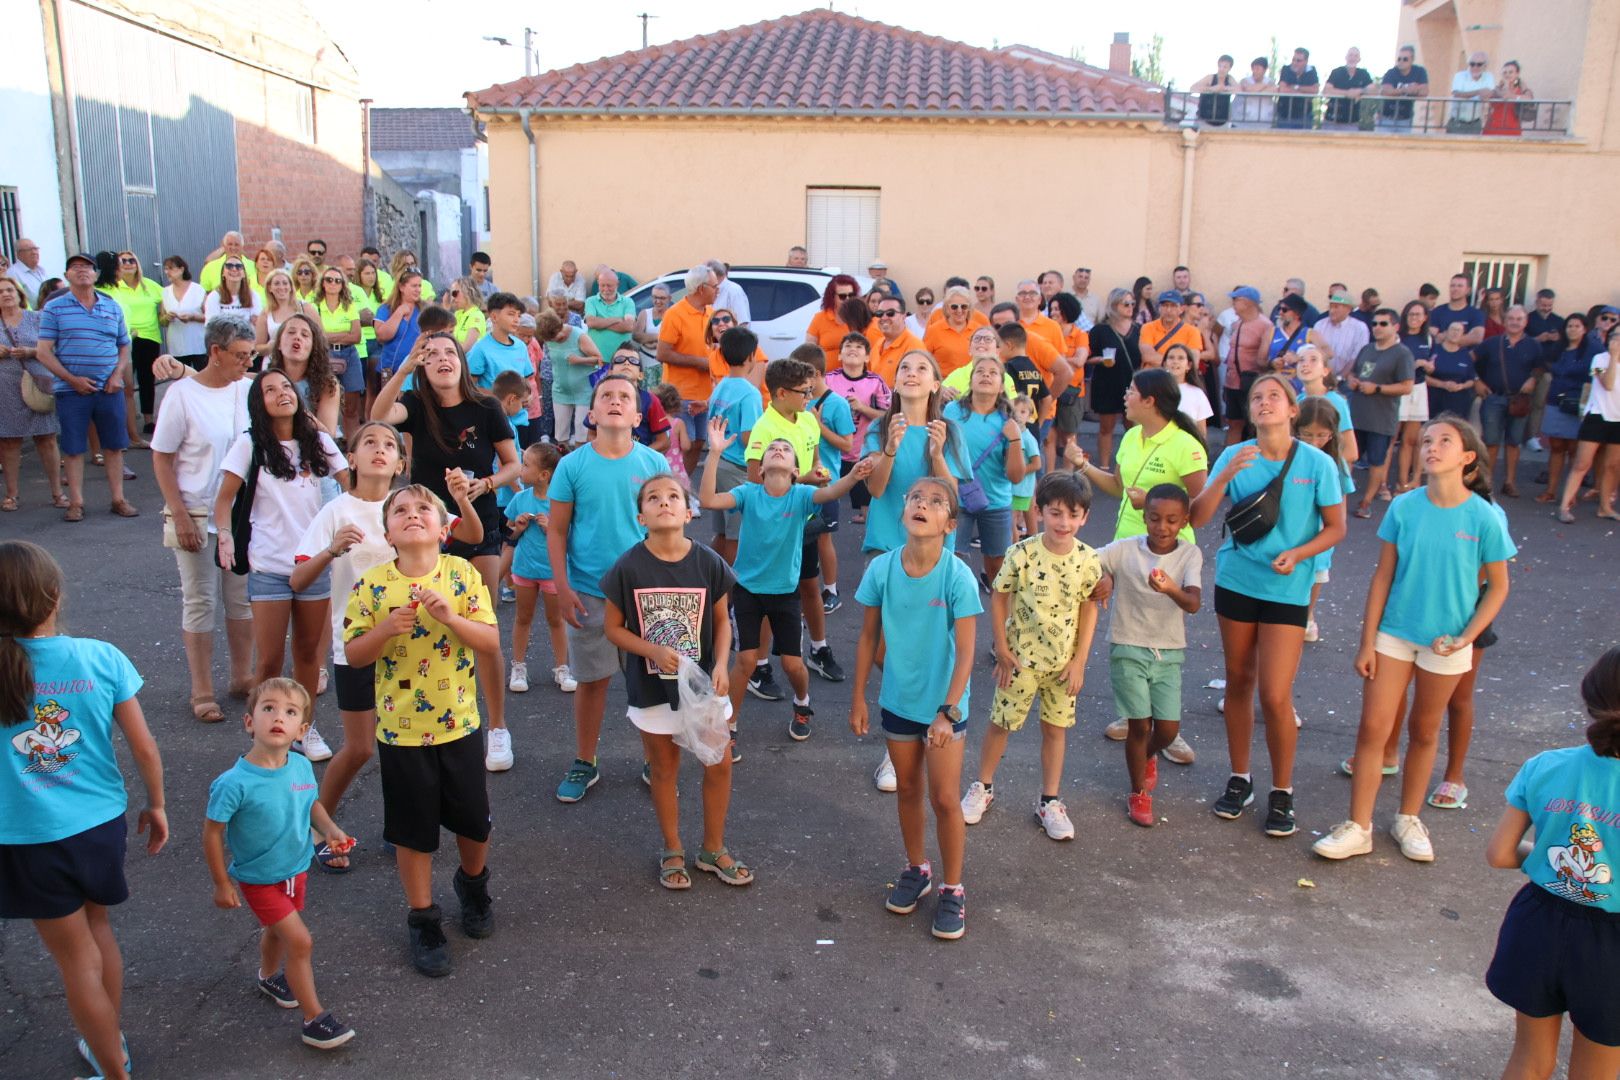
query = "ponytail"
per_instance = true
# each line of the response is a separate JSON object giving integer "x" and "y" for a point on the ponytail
{"x": 1476, "y": 476}
{"x": 30, "y": 591}
{"x": 1600, "y": 689}
{"x": 1160, "y": 385}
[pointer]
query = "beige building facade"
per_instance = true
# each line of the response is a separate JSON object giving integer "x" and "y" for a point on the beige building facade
{"x": 1006, "y": 192}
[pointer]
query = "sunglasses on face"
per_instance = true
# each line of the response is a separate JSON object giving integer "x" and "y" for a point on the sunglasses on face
{"x": 1382, "y": 322}
{"x": 231, "y": 266}
{"x": 844, "y": 295}
{"x": 888, "y": 314}
{"x": 929, "y": 302}
{"x": 317, "y": 251}
{"x": 126, "y": 260}
{"x": 956, "y": 307}
{"x": 981, "y": 288}
{"x": 456, "y": 293}
{"x": 303, "y": 271}
{"x": 724, "y": 320}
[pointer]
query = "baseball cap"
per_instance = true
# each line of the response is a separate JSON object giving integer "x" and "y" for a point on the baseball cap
{"x": 79, "y": 257}
{"x": 1608, "y": 309}
{"x": 1169, "y": 296}
{"x": 1245, "y": 292}
{"x": 1340, "y": 298}
{"x": 1294, "y": 302}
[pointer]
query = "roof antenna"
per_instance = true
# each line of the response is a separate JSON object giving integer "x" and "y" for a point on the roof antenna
{"x": 644, "y": 17}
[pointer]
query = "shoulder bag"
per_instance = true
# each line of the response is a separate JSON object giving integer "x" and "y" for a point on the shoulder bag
{"x": 242, "y": 516}
{"x": 1256, "y": 514}
{"x": 969, "y": 492}
{"x": 37, "y": 400}
{"x": 1518, "y": 404}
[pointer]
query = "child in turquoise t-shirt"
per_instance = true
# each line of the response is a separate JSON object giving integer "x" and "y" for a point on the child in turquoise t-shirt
{"x": 1023, "y": 492}
{"x": 263, "y": 807}
{"x": 528, "y": 516}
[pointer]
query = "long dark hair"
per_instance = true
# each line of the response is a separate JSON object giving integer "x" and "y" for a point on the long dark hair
{"x": 1320, "y": 412}
{"x": 428, "y": 398}
{"x": 262, "y": 430}
{"x": 1143, "y": 301}
{"x": 854, "y": 314}
{"x": 1476, "y": 477}
{"x": 106, "y": 269}
{"x": 1193, "y": 378}
{"x": 1161, "y": 386}
{"x": 30, "y": 590}
{"x": 1407, "y": 310}
{"x": 317, "y": 369}
{"x": 1600, "y": 690}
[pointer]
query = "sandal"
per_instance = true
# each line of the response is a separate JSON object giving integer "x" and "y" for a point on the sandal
{"x": 735, "y": 874}
{"x": 8, "y": 504}
{"x": 1363, "y": 512}
{"x": 205, "y": 710}
{"x": 1348, "y": 768}
{"x": 1546, "y": 497}
{"x": 1564, "y": 515}
{"x": 324, "y": 856}
{"x": 60, "y": 501}
{"x": 74, "y": 512}
{"x": 673, "y": 877}
{"x": 1449, "y": 796}
{"x": 124, "y": 508}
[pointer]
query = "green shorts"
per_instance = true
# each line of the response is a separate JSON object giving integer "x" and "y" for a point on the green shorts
{"x": 1147, "y": 682}
{"x": 1022, "y": 502}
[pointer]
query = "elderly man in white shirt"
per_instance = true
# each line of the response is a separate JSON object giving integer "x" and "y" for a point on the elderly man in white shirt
{"x": 570, "y": 281}
{"x": 1343, "y": 335}
{"x": 1470, "y": 88}
{"x": 27, "y": 272}
{"x": 730, "y": 294}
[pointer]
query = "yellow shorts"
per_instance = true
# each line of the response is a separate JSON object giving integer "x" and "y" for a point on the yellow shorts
{"x": 1011, "y": 705}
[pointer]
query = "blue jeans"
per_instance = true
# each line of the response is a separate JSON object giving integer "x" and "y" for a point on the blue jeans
{"x": 1496, "y": 426}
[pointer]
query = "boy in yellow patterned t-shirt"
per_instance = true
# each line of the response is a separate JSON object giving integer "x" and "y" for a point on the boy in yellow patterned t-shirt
{"x": 1043, "y": 620}
{"x": 421, "y": 620}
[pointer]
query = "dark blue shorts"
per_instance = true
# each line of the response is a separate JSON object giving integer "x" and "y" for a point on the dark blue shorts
{"x": 899, "y": 729}
{"x": 76, "y": 412}
{"x": 55, "y": 879}
{"x": 1555, "y": 956}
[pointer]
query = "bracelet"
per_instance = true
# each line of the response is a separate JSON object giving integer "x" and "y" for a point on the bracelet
{"x": 887, "y": 454}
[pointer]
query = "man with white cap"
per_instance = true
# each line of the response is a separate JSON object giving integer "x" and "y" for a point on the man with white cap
{"x": 880, "y": 269}
{"x": 1345, "y": 337}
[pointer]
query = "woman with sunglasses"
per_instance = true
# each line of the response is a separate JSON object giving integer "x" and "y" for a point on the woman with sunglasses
{"x": 917, "y": 321}
{"x": 1115, "y": 356}
{"x": 948, "y": 337}
{"x": 306, "y": 279}
{"x": 721, "y": 320}
{"x": 466, "y": 299}
{"x": 236, "y": 295}
{"x": 340, "y": 320}
{"x": 141, "y": 299}
{"x": 827, "y": 326}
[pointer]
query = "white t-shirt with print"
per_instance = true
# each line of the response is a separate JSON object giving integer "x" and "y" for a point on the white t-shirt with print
{"x": 282, "y": 509}
{"x": 372, "y": 550}
{"x": 198, "y": 424}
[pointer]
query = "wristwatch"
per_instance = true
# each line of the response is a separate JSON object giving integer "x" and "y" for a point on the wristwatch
{"x": 950, "y": 712}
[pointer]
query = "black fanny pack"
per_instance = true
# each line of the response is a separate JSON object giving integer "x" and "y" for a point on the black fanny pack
{"x": 1256, "y": 514}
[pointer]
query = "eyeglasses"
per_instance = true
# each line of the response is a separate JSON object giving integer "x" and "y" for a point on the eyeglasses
{"x": 889, "y": 314}
{"x": 1026, "y": 292}
{"x": 1128, "y": 305}
{"x": 332, "y": 281}
{"x": 803, "y": 391}
{"x": 956, "y": 307}
{"x": 981, "y": 288}
{"x": 1476, "y": 63}
{"x": 455, "y": 294}
{"x": 930, "y": 502}
{"x": 303, "y": 271}
{"x": 925, "y": 303}
{"x": 127, "y": 260}
{"x": 316, "y": 251}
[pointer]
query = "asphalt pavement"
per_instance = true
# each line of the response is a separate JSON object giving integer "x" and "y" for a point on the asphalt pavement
{"x": 1200, "y": 948}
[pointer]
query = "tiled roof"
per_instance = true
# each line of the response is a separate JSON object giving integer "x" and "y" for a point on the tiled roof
{"x": 825, "y": 62}
{"x": 420, "y": 129}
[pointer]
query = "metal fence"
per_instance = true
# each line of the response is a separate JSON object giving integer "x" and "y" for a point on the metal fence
{"x": 1541, "y": 118}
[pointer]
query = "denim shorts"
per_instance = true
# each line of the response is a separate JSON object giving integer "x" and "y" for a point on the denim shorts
{"x": 1374, "y": 447}
{"x": 1496, "y": 426}
{"x": 353, "y": 379}
{"x": 697, "y": 423}
{"x": 76, "y": 412}
{"x": 271, "y": 587}
{"x": 992, "y": 527}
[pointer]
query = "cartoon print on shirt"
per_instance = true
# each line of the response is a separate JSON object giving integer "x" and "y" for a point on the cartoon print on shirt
{"x": 45, "y": 744}
{"x": 1577, "y": 866}
{"x": 672, "y": 617}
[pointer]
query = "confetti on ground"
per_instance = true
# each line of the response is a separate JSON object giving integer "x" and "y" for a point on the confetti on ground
{"x": 1305, "y": 883}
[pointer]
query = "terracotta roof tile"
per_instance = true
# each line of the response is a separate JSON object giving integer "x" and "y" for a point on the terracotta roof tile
{"x": 826, "y": 61}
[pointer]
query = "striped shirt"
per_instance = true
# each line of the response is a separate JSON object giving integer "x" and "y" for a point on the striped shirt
{"x": 87, "y": 341}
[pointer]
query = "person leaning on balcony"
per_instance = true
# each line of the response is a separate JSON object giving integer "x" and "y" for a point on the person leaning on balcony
{"x": 1296, "y": 85}
{"x": 1255, "y": 103}
{"x": 1405, "y": 80}
{"x": 1346, "y": 84}
{"x": 1468, "y": 89}
{"x": 1503, "y": 117}
{"x": 1214, "y": 93}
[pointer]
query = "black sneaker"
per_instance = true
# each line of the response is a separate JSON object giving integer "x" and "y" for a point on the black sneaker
{"x": 822, "y": 663}
{"x": 276, "y": 989}
{"x": 429, "y": 947}
{"x": 915, "y": 883}
{"x": 984, "y": 582}
{"x": 762, "y": 684}
{"x": 326, "y": 1032}
{"x": 736, "y": 749}
{"x": 950, "y": 914}
{"x": 799, "y": 726}
{"x": 1280, "y": 814}
{"x": 1238, "y": 794}
{"x": 830, "y": 601}
{"x": 477, "y": 913}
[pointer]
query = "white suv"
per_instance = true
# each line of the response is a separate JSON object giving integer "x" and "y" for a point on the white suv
{"x": 781, "y": 300}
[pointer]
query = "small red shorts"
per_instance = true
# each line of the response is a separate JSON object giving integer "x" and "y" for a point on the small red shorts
{"x": 272, "y": 903}
{"x": 545, "y": 585}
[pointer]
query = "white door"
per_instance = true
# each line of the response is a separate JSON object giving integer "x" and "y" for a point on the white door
{"x": 841, "y": 227}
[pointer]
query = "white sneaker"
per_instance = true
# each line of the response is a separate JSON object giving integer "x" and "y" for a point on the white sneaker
{"x": 1413, "y": 837}
{"x": 1299, "y": 721}
{"x": 976, "y": 802}
{"x": 1178, "y": 752}
{"x": 322, "y": 682}
{"x": 518, "y": 683}
{"x": 564, "y": 679}
{"x": 1311, "y": 632}
{"x": 1343, "y": 841}
{"x": 1054, "y": 818}
{"x": 1220, "y": 705}
{"x": 884, "y": 777}
{"x": 1117, "y": 730}
{"x": 315, "y": 747}
{"x": 1533, "y": 444}
{"x": 498, "y": 756}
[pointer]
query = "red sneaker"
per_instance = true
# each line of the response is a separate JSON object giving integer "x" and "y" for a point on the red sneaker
{"x": 1141, "y": 809}
{"x": 1150, "y": 779}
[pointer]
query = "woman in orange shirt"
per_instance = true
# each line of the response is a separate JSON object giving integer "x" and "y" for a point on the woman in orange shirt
{"x": 1064, "y": 309}
{"x": 947, "y": 337}
{"x": 721, "y": 320}
{"x": 827, "y": 328}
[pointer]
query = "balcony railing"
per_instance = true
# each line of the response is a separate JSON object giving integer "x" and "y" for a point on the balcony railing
{"x": 1538, "y": 118}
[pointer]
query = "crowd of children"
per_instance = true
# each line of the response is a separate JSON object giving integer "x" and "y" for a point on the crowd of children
{"x": 594, "y": 525}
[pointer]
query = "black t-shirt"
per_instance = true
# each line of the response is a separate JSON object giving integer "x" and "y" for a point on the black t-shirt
{"x": 471, "y": 431}
{"x": 1343, "y": 110}
{"x": 1402, "y": 109}
{"x": 1553, "y": 323}
{"x": 1295, "y": 109}
{"x": 1026, "y": 378}
{"x": 670, "y": 603}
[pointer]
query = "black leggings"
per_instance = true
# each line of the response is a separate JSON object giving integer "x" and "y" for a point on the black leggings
{"x": 859, "y": 497}
{"x": 143, "y": 354}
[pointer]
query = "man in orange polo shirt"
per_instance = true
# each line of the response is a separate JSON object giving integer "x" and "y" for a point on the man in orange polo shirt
{"x": 1170, "y": 328}
{"x": 1032, "y": 313}
{"x": 951, "y": 329}
{"x": 896, "y": 340}
{"x": 685, "y": 355}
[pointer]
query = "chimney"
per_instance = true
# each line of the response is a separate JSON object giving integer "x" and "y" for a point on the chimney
{"x": 1119, "y": 55}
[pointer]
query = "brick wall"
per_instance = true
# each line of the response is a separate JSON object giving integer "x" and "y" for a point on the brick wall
{"x": 307, "y": 189}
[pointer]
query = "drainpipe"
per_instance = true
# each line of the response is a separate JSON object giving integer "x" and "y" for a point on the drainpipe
{"x": 534, "y": 204}
{"x": 368, "y": 205}
{"x": 1189, "y": 146}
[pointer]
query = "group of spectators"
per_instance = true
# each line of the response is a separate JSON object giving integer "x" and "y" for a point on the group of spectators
{"x": 1479, "y": 103}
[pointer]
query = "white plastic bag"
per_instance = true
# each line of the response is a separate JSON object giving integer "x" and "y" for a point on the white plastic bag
{"x": 705, "y": 729}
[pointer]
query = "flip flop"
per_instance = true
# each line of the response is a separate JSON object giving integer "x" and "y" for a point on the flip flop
{"x": 1449, "y": 796}
{"x": 205, "y": 710}
{"x": 1364, "y": 512}
{"x": 1348, "y": 768}
{"x": 324, "y": 856}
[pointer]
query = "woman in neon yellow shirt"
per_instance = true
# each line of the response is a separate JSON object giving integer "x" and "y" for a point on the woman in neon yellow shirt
{"x": 468, "y": 303}
{"x": 340, "y": 319}
{"x": 141, "y": 299}
{"x": 369, "y": 294}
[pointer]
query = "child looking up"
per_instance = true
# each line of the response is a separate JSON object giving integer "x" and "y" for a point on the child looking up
{"x": 735, "y": 401}
{"x": 263, "y": 807}
{"x": 421, "y": 620}
{"x": 921, "y": 600}
{"x": 1318, "y": 425}
{"x": 1158, "y": 582}
{"x": 528, "y": 515}
{"x": 62, "y": 799}
{"x": 1023, "y": 492}
{"x": 1042, "y": 627}
{"x": 868, "y": 398}
{"x": 837, "y": 438}
{"x": 666, "y": 599}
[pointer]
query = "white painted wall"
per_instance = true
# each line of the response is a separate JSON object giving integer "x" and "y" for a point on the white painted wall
{"x": 29, "y": 161}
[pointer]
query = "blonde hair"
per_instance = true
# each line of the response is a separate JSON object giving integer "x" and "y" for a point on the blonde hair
{"x": 291, "y": 687}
